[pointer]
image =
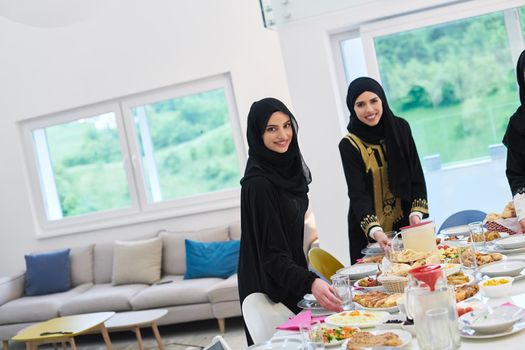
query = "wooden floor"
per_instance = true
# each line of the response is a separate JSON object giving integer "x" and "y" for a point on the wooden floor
{"x": 187, "y": 336}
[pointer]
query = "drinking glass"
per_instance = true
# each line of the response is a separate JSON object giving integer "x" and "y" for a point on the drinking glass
{"x": 439, "y": 329}
{"x": 477, "y": 234}
{"x": 343, "y": 287}
{"x": 312, "y": 335}
{"x": 396, "y": 245}
{"x": 467, "y": 257}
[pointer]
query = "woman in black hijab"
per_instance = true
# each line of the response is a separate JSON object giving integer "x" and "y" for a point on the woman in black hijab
{"x": 273, "y": 204}
{"x": 514, "y": 139}
{"x": 385, "y": 180}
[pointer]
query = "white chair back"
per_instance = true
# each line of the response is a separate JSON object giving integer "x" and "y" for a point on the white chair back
{"x": 262, "y": 315}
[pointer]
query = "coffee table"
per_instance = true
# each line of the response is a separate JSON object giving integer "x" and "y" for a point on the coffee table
{"x": 64, "y": 329}
{"x": 134, "y": 320}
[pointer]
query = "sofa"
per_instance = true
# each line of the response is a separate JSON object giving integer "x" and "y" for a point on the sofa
{"x": 92, "y": 273}
{"x": 92, "y": 288}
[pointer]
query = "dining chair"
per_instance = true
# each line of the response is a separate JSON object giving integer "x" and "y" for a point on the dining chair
{"x": 462, "y": 217}
{"x": 262, "y": 315}
{"x": 323, "y": 262}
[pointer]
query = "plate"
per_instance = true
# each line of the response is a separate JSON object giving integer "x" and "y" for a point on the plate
{"x": 499, "y": 319}
{"x": 358, "y": 287}
{"x": 359, "y": 271}
{"x": 404, "y": 336}
{"x": 339, "y": 342}
{"x": 471, "y": 280}
{"x": 492, "y": 248}
{"x": 284, "y": 343}
{"x": 357, "y": 318}
{"x": 451, "y": 269}
{"x": 309, "y": 305}
{"x": 395, "y": 317}
{"x": 512, "y": 242}
{"x": 387, "y": 309}
{"x": 470, "y": 333}
{"x": 374, "y": 248}
{"x": 309, "y": 297}
{"x": 455, "y": 230}
{"x": 510, "y": 267}
{"x": 368, "y": 252}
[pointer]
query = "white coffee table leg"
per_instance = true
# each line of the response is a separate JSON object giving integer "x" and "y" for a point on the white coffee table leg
{"x": 157, "y": 334}
{"x": 105, "y": 335}
{"x": 139, "y": 337}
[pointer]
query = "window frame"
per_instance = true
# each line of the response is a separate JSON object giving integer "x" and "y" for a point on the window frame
{"x": 419, "y": 19}
{"x": 140, "y": 209}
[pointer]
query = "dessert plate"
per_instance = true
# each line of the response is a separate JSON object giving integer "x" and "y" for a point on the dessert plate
{"x": 358, "y": 271}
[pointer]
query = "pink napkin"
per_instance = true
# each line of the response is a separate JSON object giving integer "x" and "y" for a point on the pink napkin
{"x": 293, "y": 323}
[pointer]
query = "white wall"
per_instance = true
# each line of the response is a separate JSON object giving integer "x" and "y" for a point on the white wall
{"x": 313, "y": 83}
{"x": 121, "y": 48}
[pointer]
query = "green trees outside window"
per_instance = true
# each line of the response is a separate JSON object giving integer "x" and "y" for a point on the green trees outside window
{"x": 454, "y": 82}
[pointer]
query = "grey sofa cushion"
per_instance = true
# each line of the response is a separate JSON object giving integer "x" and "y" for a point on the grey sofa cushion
{"x": 81, "y": 259}
{"x": 103, "y": 262}
{"x": 37, "y": 308}
{"x": 225, "y": 290}
{"x": 179, "y": 292}
{"x": 102, "y": 297}
{"x": 174, "y": 251}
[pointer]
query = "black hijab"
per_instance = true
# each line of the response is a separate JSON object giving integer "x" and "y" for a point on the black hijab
{"x": 386, "y": 131}
{"x": 514, "y": 137}
{"x": 287, "y": 171}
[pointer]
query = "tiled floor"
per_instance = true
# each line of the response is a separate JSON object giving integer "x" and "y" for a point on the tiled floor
{"x": 186, "y": 336}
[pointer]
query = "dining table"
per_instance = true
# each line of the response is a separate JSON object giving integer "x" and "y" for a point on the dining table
{"x": 512, "y": 341}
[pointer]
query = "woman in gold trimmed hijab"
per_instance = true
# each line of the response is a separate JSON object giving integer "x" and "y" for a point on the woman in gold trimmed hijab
{"x": 385, "y": 180}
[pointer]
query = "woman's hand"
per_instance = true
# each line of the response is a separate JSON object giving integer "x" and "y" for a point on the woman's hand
{"x": 383, "y": 240}
{"x": 414, "y": 220}
{"x": 326, "y": 296}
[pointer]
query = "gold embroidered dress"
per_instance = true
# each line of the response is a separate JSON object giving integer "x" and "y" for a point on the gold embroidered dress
{"x": 371, "y": 200}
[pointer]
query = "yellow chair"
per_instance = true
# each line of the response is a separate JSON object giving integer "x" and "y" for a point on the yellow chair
{"x": 323, "y": 262}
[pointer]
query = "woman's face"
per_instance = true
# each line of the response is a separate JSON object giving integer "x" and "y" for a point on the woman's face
{"x": 368, "y": 108}
{"x": 278, "y": 133}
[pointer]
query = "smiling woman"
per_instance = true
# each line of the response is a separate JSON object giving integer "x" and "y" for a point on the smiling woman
{"x": 278, "y": 132}
{"x": 385, "y": 180}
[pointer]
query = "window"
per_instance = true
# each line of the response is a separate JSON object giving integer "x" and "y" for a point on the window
{"x": 172, "y": 151}
{"x": 451, "y": 73}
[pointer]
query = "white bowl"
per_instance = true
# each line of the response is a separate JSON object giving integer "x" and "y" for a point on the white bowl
{"x": 358, "y": 271}
{"x": 511, "y": 242}
{"x": 492, "y": 321}
{"x": 503, "y": 268}
{"x": 498, "y": 290}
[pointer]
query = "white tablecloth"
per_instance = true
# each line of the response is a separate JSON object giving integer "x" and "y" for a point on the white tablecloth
{"x": 510, "y": 342}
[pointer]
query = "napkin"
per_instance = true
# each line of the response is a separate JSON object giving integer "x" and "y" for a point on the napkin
{"x": 294, "y": 322}
{"x": 509, "y": 225}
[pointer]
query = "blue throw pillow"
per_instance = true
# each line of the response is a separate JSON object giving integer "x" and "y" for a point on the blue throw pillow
{"x": 211, "y": 259}
{"x": 47, "y": 272}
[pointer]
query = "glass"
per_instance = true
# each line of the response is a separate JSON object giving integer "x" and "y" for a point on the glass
{"x": 312, "y": 335}
{"x": 81, "y": 167}
{"x": 396, "y": 245}
{"x": 439, "y": 329}
{"x": 187, "y": 146}
{"x": 343, "y": 287}
{"x": 477, "y": 234}
{"x": 431, "y": 77}
{"x": 467, "y": 257}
